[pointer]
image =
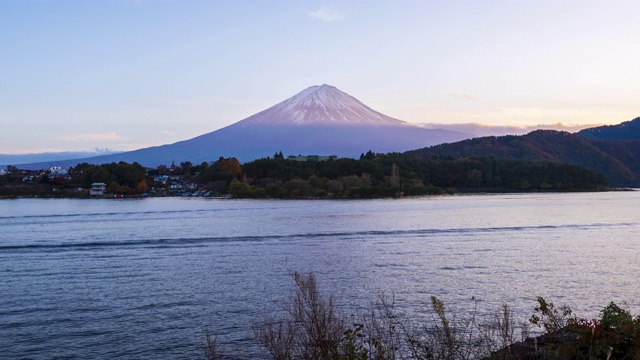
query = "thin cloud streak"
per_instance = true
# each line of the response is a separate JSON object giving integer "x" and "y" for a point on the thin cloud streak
{"x": 92, "y": 137}
{"x": 461, "y": 96}
{"x": 327, "y": 14}
{"x": 479, "y": 129}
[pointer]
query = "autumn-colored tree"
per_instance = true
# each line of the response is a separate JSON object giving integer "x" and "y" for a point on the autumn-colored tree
{"x": 142, "y": 187}
{"x": 230, "y": 166}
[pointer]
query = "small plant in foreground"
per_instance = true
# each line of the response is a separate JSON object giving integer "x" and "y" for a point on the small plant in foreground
{"x": 552, "y": 319}
{"x": 616, "y": 335}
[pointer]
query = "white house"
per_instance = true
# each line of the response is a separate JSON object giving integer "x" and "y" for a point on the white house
{"x": 97, "y": 189}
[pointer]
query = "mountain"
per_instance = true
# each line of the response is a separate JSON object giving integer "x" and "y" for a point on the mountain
{"x": 17, "y": 159}
{"x": 320, "y": 120}
{"x": 619, "y": 161}
{"x": 628, "y": 130}
{"x": 321, "y": 105}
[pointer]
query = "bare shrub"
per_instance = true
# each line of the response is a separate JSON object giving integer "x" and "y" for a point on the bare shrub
{"x": 211, "y": 350}
{"x": 499, "y": 333}
{"x": 375, "y": 335}
{"x": 382, "y": 330}
{"x": 550, "y": 318}
{"x": 444, "y": 338}
{"x": 313, "y": 328}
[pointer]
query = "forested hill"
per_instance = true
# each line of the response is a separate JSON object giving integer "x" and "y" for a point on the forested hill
{"x": 618, "y": 160}
{"x": 628, "y": 130}
{"x": 377, "y": 175}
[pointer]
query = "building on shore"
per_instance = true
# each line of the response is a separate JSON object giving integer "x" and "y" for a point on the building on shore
{"x": 97, "y": 189}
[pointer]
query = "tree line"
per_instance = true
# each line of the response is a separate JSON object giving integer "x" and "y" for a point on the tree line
{"x": 372, "y": 175}
{"x": 379, "y": 175}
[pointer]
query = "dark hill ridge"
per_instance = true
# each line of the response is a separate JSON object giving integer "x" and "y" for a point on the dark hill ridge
{"x": 628, "y": 130}
{"x": 320, "y": 120}
{"x": 617, "y": 160}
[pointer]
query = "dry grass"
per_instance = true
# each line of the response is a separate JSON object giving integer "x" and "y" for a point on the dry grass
{"x": 313, "y": 327}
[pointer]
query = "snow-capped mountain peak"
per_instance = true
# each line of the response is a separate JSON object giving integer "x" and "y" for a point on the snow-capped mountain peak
{"x": 321, "y": 105}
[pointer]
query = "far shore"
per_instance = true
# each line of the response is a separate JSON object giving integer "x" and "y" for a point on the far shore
{"x": 84, "y": 195}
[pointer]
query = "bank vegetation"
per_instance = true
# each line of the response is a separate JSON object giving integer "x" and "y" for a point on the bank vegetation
{"x": 314, "y": 327}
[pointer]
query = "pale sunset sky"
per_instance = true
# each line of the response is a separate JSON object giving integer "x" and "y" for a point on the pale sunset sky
{"x": 125, "y": 74}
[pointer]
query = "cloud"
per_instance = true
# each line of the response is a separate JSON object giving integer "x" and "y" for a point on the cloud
{"x": 461, "y": 96}
{"x": 167, "y": 132}
{"x": 92, "y": 137}
{"x": 479, "y": 129}
{"x": 105, "y": 150}
{"x": 327, "y": 14}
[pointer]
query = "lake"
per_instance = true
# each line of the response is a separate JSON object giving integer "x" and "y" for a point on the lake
{"x": 130, "y": 279}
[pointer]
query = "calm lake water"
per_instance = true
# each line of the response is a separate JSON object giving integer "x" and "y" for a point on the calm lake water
{"x": 131, "y": 279}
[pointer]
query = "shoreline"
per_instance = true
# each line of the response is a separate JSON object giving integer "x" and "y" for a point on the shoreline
{"x": 230, "y": 197}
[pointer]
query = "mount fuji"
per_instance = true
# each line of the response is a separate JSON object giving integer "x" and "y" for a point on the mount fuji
{"x": 320, "y": 120}
{"x": 321, "y": 105}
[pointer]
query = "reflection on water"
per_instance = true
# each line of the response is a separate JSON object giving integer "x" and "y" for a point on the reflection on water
{"x": 142, "y": 278}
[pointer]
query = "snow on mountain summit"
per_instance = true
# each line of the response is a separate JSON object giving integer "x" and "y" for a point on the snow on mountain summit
{"x": 321, "y": 105}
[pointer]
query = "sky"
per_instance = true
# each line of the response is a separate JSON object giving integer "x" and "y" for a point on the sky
{"x": 126, "y": 74}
